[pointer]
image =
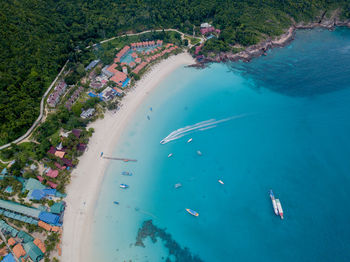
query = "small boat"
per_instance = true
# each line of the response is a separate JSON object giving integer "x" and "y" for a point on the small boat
{"x": 126, "y": 173}
{"x": 178, "y": 185}
{"x": 124, "y": 186}
{"x": 170, "y": 155}
{"x": 199, "y": 153}
{"x": 148, "y": 118}
{"x": 274, "y": 204}
{"x": 192, "y": 212}
{"x": 189, "y": 140}
{"x": 116, "y": 202}
{"x": 279, "y": 207}
{"x": 220, "y": 181}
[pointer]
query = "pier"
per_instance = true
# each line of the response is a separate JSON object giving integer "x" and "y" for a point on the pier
{"x": 120, "y": 159}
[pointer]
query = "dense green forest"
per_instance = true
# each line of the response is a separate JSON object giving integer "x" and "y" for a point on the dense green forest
{"x": 38, "y": 36}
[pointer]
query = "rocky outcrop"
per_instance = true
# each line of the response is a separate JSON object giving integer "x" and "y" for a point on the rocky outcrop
{"x": 261, "y": 48}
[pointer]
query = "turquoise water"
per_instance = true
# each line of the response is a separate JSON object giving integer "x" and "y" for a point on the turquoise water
{"x": 288, "y": 130}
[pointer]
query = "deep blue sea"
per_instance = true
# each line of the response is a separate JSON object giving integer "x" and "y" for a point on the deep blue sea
{"x": 286, "y": 127}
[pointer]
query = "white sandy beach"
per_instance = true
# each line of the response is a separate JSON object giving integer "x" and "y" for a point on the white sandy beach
{"x": 87, "y": 177}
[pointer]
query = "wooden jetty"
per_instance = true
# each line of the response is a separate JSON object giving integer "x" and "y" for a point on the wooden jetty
{"x": 120, "y": 159}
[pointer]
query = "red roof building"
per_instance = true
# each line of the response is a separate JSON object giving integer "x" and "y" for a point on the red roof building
{"x": 122, "y": 52}
{"x": 138, "y": 60}
{"x": 139, "y": 67}
{"x": 52, "y": 173}
{"x": 52, "y": 184}
{"x": 119, "y": 78}
{"x": 134, "y": 55}
{"x": 132, "y": 64}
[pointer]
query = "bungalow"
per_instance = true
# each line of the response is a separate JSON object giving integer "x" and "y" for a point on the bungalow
{"x": 132, "y": 64}
{"x": 159, "y": 42}
{"x": 67, "y": 162}
{"x": 134, "y": 55}
{"x": 52, "y": 173}
{"x": 59, "y": 166}
{"x": 138, "y": 60}
{"x": 92, "y": 64}
{"x": 117, "y": 91}
{"x": 76, "y": 132}
{"x": 52, "y": 150}
{"x": 60, "y": 154}
{"x": 87, "y": 113}
{"x": 52, "y": 184}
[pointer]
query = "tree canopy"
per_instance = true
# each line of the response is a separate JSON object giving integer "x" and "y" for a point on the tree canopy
{"x": 38, "y": 36}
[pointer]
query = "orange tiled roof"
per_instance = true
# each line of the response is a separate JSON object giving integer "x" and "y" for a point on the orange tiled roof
{"x": 40, "y": 244}
{"x": 11, "y": 241}
{"x": 18, "y": 250}
{"x": 119, "y": 77}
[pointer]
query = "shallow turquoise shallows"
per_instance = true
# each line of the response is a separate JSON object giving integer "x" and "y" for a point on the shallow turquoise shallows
{"x": 286, "y": 127}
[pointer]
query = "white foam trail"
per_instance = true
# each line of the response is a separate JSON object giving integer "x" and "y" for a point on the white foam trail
{"x": 201, "y": 126}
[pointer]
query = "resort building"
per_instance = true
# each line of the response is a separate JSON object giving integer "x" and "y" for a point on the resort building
{"x": 92, "y": 64}
{"x": 74, "y": 97}
{"x": 87, "y": 113}
{"x": 54, "y": 97}
{"x": 208, "y": 28}
{"x": 121, "y": 53}
{"x": 107, "y": 73}
{"x": 139, "y": 67}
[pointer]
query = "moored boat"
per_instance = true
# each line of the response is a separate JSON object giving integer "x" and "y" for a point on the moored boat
{"x": 126, "y": 173}
{"x": 170, "y": 155}
{"x": 178, "y": 185}
{"x": 192, "y": 212}
{"x": 273, "y": 200}
{"x": 279, "y": 207}
{"x": 116, "y": 202}
{"x": 199, "y": 153}
{"x": 123, "y": 186}
{"x": 189, "y": 140}
{"x": 221, "y": 182}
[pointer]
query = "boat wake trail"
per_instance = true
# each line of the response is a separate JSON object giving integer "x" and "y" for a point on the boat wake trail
{"x": 201, "y": 126}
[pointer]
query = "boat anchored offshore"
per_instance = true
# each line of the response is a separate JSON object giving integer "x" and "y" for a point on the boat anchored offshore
{"x": 199, "y": 153}
{"x": 221, "y": 182}
{"x": 170, "y": 155}
{"x": 124, "y": 186}
{"x": 126, "y": 173}
{"x": 189, "y": 140}
{"x": 178, "y": 185}
{"x": 274, "y": 204}
{"x": 116, "y": 202}
{"x": 279, "y": 207}
{"x": 192, "y": 212}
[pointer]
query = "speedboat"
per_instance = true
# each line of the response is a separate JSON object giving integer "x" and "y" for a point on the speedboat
{"x": 170, "y": 155}
{"x": 189, "y": 140}
{"x": 178, "y": 185}
{"x": 192, "y": 212}
{"x": 220, "y": 181}
{"x": 116, "y": 202}
{"x": 199, "y": 153}
{"x": 126, "y": 173}
{"x": 124, "y": 186}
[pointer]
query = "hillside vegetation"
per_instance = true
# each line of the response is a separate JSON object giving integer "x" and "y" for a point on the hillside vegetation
{"x": 37, "y": 36}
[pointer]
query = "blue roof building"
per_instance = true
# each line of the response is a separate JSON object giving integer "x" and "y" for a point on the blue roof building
{"x": 8, "y": 258}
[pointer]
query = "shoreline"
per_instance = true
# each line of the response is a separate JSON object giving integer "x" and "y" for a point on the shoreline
{"x": 259, "y": 49}
{"x": 86, "y": 179}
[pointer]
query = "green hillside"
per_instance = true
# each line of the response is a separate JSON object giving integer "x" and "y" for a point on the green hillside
{"x": 38, "y": 36}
